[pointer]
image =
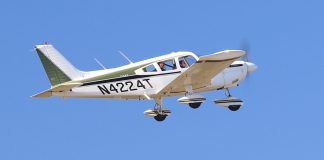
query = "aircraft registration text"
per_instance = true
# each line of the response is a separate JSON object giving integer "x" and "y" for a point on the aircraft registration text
{"x": 126, "y": 86}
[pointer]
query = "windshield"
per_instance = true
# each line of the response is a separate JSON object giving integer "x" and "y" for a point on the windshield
{"x": 186, "y": 61}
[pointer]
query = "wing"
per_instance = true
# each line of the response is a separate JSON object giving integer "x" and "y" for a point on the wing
{"x": 200, "y": 73}
{"x": 57, "y": 88}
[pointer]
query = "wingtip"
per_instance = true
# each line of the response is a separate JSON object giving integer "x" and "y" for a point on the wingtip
{"x": 235, "y": 53}
{"x": 226, "y": 54}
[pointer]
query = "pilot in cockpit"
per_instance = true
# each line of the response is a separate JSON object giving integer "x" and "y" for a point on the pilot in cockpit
{"x": 183, "y": 64}
{"x": 162, "y": 66}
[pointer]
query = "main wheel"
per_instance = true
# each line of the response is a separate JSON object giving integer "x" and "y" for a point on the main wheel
{"x": 234, "y": 107}
{"x": 160, "y": 117}
{"x": 195, "y": 105}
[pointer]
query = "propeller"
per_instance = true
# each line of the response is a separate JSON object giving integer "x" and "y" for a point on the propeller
{"x": 245, "y": 46}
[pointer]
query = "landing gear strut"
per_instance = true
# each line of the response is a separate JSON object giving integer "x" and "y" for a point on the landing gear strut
{"x": 227, "y": 93}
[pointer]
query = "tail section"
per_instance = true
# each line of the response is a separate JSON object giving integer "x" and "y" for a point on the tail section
{"x": 58, "y": 69}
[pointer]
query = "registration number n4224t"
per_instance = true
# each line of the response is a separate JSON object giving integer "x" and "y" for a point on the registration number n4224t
{"x": 126, "y": 86}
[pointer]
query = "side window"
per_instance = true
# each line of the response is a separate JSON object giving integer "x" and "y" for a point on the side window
{"x": 167, "y": 65}
{"x": 186, "y": 61}
{"x": 183, "y": 63}
{"x": 149, "y": 68}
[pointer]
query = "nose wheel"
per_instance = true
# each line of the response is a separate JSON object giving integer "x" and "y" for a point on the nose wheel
{"x": 232, "y": 103}
{"x": 234, "y": 107}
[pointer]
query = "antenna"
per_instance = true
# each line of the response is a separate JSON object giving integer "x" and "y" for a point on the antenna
{"x": 125, "y": 57}
{"x": 100, "y": 64}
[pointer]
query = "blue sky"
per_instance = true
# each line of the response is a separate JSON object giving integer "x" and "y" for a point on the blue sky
{"x": 282, "y": 117}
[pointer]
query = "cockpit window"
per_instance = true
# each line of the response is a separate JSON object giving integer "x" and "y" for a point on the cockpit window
{"x": 167, "y": 65}
{"x": 183, "y": 63}
{"x": 186, "y": 61}
{"x": 149, "y": 68}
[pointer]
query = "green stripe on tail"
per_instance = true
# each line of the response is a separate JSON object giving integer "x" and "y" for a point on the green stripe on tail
{"x": 54, "y": 74}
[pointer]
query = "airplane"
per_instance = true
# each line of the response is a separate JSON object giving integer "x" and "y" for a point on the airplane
{"x": 181, "y": 73}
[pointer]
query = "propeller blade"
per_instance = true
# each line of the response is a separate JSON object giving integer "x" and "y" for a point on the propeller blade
{"x": 245, "y": 47}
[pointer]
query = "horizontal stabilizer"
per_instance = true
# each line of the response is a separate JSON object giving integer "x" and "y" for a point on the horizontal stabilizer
{"x": 58, "y": 88}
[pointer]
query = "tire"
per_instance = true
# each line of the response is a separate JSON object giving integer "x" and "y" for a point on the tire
{"x": 160, "y": 117}
{"x": 234, "y": 107}
{"x": 195, "y": 105}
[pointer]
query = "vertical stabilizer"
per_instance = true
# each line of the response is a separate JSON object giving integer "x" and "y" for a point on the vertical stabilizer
{"x": 58, "y": 69}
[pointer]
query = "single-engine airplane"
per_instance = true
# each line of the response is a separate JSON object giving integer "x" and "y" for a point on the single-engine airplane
{"x": 175, "y": 74}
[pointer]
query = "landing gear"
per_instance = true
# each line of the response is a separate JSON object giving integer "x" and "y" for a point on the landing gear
{"x": 234, "y": 107}
{"x": 230, "y": 102}
{"x": 160, "y": 117}
{"x": 195, "y": 105}
{"x": 192, "y": 99}
{"x": 227, "y": 93}
{"x": 158, "y": 113}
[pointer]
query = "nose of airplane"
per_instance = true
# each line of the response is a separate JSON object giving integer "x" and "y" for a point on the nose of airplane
{"x": 251, "y": 67}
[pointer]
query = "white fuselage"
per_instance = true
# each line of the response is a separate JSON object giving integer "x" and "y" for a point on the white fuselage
{"x": 147, "y": 85}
